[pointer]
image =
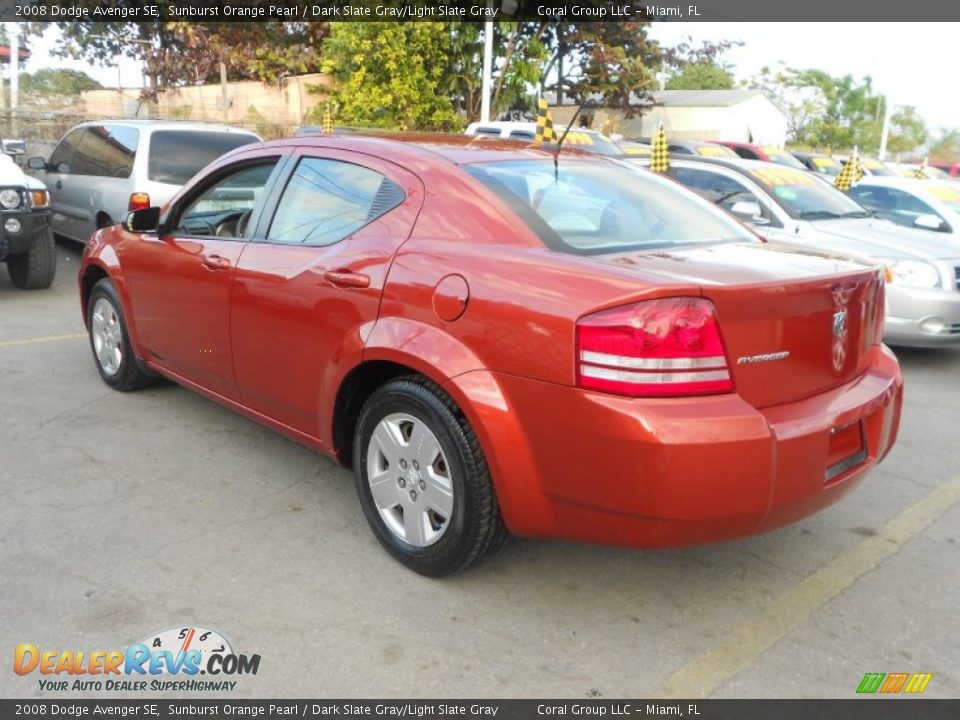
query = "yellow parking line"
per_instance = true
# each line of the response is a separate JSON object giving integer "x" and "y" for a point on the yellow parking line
{"x": 48, "y": 338}
{"x": 740, "y": 650}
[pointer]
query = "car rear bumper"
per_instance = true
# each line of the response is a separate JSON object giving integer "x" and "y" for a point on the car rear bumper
{"x": 573, "y": 464}
{"x": 922, "y": 318}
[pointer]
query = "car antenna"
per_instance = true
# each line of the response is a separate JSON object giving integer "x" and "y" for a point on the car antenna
{"x": 556, "y": 155}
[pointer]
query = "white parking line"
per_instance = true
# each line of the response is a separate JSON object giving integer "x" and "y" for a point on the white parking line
{"x": 739, "y": 651}
{"x": 48, "y": 338}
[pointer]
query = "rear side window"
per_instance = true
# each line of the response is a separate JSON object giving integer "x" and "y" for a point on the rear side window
{"x": 328, "y": 200}
{"x": 178, "y": 155}
{"x": 68, "y": 146}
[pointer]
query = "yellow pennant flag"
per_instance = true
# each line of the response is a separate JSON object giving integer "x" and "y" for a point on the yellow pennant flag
{"x": 851, "y": 172}
{"x": 327, "y": 121}
{"x": 660, "y": 159}
{"x": 545, "y": 131}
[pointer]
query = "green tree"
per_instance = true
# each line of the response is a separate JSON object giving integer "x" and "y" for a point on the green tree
{"x": 701, "y": 76}
{"x": 614, "y": 62}
{"x": 907, "y": 130}
{"x": 179, "y": 53}
{"x": 55, "y": 81}
{"x": 391, "y": 75}
{"x": 825, "y": 111}
{"x": 946, "y": 148}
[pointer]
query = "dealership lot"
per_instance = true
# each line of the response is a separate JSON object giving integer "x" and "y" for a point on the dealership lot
{"x": 126, "y": 514}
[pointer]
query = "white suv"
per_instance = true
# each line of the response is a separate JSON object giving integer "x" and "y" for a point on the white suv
{"x": 101, "y": 170}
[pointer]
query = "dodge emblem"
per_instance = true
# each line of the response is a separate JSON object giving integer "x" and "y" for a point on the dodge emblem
{"x": 840, "y": 323}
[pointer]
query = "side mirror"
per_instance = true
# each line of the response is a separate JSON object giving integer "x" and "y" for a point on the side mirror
{"x": 928, "y": 222}
{"x": 749, "y": 211}
{"x": 37, "y": 163}
{"x": 146, "y": 220}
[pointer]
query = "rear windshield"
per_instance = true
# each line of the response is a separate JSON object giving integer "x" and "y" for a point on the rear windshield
{"x": 178, "y": 155}
{"x": 804, "y": 195}
{"x": 589, "y": 207}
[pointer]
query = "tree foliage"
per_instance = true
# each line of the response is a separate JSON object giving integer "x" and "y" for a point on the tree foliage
{"x": 55, "y": 88}
{"x": 701, "y": 76}
{"x": 946, "y": 148}
{"x": 180, "y": 53}
{"x": 907, "y": 130}
{"x": 830, "y": 112}
{"x": 391, "y": 75}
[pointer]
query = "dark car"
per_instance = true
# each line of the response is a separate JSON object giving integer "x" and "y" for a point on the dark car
{"x": 766, "y": 153}
{"x": 820, "y": 164}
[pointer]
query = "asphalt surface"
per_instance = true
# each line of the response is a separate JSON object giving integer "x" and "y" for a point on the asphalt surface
{"x": 125, "y": 514}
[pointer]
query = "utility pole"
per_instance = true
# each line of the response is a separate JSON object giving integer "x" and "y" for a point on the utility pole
{"x": 487, "y": 71}
{"x": 14, "y": 34}
{"x": 885, "y": 132}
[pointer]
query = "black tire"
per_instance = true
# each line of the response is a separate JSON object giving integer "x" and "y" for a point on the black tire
{"x": 475, "y": 528}
{"x": 36, "y": 269}
{"x": 128, "y": 375}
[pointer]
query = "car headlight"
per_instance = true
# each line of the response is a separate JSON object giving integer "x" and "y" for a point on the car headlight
{"x": 9, "y": 199}
{"x": 911, "y": 273}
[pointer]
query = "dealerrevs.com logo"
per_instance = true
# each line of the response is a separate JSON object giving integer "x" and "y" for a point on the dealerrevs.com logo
{"x": 171, "y": 660}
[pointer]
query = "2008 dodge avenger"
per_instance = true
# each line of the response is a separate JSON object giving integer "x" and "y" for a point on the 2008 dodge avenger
{"x": 500, "y": 340}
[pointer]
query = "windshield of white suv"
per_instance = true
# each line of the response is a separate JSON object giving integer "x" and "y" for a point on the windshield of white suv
{"x": 588, "y": 207}
{"x": 178, "y": 155}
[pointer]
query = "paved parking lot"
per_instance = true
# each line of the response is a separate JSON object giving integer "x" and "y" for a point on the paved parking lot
{"x": 125, "y": 514}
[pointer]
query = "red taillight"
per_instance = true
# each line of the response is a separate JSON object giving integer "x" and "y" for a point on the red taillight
{"x": 880, "y": 311}
{"x": 139, "y": 201}
{"x": 665, "y": 347}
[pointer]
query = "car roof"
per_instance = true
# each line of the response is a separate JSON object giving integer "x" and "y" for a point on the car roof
{"x": 410, "y": 146}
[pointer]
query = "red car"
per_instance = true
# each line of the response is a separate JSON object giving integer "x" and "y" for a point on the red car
{"x": 766, "y": 153}
{"x": 497, "y": 341}
{"x": 951, "y": 169}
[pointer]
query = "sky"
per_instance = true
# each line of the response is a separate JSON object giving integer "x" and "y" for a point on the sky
{"x": 913, "y": 63}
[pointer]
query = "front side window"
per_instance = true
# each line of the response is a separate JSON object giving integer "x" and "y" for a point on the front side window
{"x": 223, "y": 209}
{"x": 590, "y": 207}
{"x": 106, "y": 151}
{"x": 177, "y": 155}
{"x": 91, "y": 158}
{"x": 327, "y": 200}
{"x": 68, "y": 146}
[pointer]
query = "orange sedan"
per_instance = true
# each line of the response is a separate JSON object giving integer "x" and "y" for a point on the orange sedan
{"x": 498, "y": 340}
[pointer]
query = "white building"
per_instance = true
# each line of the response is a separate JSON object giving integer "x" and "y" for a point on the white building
{"x": 732, "y": 115}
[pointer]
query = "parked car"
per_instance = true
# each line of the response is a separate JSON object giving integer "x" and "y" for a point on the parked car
{"x": 951, "y": 169}
{"x": 635, "y": 148}
{"x": 820, "y": 164}
{"x": 871, "y": 167}
{"x": 923, "y": 271}
{"x": 925, "y": 204}
{"x": 766, "y": 153}
{"x": 909, "y": 170}
{"x": 101, "y": 170}
{"x": 692, "y": 147}
{"x": 26, "y": 242}
{"x": 497, "y": 339}
{"x": 581, "y": 138}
